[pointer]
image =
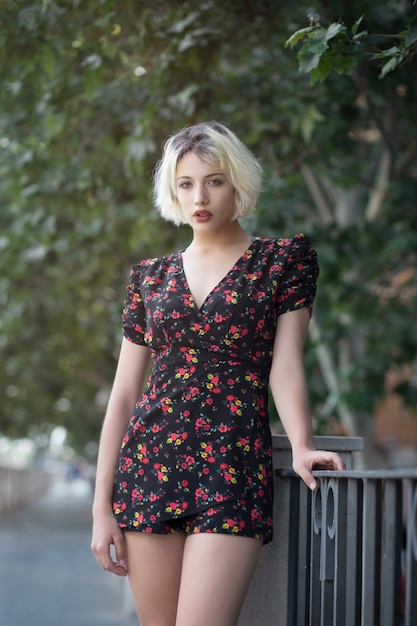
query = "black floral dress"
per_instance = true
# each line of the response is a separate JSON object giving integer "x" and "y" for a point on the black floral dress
{"x": 199, "y": 435}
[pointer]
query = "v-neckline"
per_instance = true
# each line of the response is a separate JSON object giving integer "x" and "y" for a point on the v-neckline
{"x": 235, "y": 266}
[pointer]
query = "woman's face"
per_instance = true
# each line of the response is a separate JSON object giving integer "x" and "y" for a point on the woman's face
{"x": 205, "y": 194}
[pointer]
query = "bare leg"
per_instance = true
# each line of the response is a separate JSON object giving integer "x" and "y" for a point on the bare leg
{"x": 216, "y": 573}
{"x": 154, "y": 570}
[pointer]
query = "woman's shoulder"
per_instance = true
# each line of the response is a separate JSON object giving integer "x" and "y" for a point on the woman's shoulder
{"x": 153, "y": 265}
{"x": 284, "y": 246}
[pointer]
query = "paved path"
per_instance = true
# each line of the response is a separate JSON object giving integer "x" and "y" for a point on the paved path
{"x": 48, "y": 575}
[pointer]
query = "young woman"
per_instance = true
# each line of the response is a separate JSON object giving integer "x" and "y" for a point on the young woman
{"x": 184, "y": 474}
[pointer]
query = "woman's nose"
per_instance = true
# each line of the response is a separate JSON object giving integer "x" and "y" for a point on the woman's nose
{"x": 200, "y": 196}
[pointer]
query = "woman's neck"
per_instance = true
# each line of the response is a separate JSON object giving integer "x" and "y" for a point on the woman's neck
{"x": 234, "y": 235}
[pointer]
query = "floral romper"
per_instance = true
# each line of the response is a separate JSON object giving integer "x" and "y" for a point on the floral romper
{"x": 199, "y": 437}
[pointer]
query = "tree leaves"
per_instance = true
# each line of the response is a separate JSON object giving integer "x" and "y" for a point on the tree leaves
{"x": 325, "y": 50}
{"x": 334, "y": 48}
{"x": 88, "y": 97}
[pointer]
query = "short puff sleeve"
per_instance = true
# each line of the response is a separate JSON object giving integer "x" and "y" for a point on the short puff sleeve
{"x": 298, "y": 286}
{"x": 133, "y": 317}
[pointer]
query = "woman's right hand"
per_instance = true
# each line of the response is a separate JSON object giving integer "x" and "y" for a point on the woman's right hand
{"x": 106, "y": 533}
{"x": 108, "y": 542}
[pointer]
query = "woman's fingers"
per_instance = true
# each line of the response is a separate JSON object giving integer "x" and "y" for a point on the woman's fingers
{"x": 110, "y": 551}
{"x": 315, "y": 459}
{"x": 120, "y": 553}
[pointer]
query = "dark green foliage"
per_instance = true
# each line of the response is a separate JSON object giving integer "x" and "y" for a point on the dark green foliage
{"x": 88, "y": 93}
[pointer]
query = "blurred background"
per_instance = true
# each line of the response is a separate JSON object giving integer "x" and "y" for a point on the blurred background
{"x": 89, "y": 91}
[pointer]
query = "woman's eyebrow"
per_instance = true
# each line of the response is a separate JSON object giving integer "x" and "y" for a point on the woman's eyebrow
{"x": 208, "y": 175}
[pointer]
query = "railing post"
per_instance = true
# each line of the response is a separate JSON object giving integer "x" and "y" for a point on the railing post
{"x": 371, "y": 554}
{"x": 354, "y": 532}
{"x": 315, "y": 556}
{"x": 299, "y": 551}
{"x": 267, "y": 600}
{"x": 328, "y": 555}
{"x": 392, "y": 510}
{"x": 341, "y": 582}
{"x": 411, "y": 557}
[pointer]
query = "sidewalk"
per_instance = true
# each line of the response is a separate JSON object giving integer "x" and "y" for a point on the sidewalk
{"x": 48, "y": 575}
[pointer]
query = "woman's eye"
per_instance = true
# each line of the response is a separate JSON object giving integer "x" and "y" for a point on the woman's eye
{"x": 185, "y": 185}
{"x": 215, "y": 182}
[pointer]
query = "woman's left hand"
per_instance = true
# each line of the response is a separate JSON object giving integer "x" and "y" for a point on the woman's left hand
{"x": 306, "y": 459}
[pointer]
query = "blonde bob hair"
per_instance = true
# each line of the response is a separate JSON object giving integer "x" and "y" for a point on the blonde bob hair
{"x": 213, "y": 143}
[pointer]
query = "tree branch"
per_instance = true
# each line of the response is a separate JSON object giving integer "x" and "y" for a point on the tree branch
{"x": 379, "y": 190}
{"x": 328, "y": 369}
{"x": 317, "y": 194}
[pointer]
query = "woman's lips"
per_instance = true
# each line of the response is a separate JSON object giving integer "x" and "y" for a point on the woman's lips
{"x": 202, "y": 215}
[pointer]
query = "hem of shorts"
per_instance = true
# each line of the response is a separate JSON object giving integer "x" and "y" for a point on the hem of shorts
{"x": 187, "y": 513}
{"x": 266, "y": 537}
{"x": 142, "y": 528}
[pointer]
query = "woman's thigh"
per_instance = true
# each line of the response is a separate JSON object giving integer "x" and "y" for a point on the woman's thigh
{"x": 154, "y": 571}
{"x": 216, "y": 573}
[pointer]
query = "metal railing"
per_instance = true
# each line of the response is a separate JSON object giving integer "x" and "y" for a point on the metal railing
{"x": 353, "y": 549}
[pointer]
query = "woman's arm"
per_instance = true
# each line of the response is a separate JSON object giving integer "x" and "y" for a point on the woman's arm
{"x": 128, "y": 383}
{"x": 290, "y": 392}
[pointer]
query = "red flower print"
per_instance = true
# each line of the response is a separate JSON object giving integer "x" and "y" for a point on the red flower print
{"x": 199, "y": 434}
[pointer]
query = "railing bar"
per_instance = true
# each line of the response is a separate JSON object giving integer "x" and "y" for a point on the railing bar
{"x": 371, "y": 552}
{"x": 341, "y": 588}
{"x": 411, "y": 558}
{"x": 295, "y": 540}
{"x": 315, "y": 557}
{"x": 383, "y": 474}
{"x": 303, "y": 555}
{"x": 326, "y": 605}
{"x": 391, "y": 554}
{"x": 327, "y": 554}
{"x": 354, "y": 551}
